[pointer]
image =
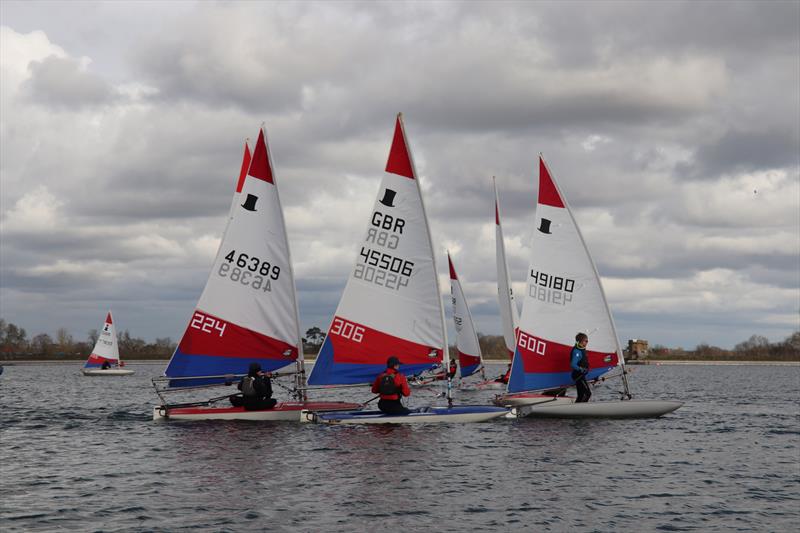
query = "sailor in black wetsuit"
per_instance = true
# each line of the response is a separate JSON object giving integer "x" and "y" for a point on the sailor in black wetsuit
{"x": 256, "y": 389}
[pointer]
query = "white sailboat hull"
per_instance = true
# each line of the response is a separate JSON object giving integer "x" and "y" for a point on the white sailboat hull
{"x": 107, "y": 372}
{"x": 429, "y": 415}
{"x": 282, "y": 412}
{"x": 618, "y": 409}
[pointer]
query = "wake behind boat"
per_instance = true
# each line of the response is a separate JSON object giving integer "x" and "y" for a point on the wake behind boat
{"x": 564, "y": 296}
{"x": 391, "y": 305}
{"x": 247, "y": 316}
{"x": 104, "y": 359}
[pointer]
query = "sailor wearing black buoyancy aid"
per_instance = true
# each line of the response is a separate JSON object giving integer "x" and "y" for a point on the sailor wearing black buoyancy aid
{"x": 391, "y": 385}
{"x": 579, "y": 363}
{"x": 256, "y": 389}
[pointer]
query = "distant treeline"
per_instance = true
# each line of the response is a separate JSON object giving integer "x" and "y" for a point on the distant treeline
{"x": 15, "y": 345}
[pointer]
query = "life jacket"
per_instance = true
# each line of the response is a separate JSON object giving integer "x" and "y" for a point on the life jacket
{"x": 248, "y": 387}
{"x": 584, "y": 361}
{"x": 387, "y": 386}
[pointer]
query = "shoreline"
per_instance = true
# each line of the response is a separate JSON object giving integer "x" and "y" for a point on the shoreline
{"x": 658, "y": 362}
{"x": 651, "y": 362}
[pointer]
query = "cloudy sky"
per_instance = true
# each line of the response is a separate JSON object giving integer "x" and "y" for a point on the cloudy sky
{"x": 673, "y": 129}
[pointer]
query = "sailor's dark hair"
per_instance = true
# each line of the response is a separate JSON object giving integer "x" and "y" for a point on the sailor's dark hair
{"x": 581, "y": 337}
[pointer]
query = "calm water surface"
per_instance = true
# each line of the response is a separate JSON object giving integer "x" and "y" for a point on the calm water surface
{"x": 82, "y": 454}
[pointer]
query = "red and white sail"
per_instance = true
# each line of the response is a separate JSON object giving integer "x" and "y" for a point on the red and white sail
{"x": 509, "y": 314}
{"x": 564, "y": 296}
{"x": 469, "y": 350}
{"x": 106, "y": 349}
{"x": 391, "y": 305}
{"x": 248, "y": 310}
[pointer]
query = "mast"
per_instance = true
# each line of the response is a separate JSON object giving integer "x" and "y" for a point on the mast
{"x": 445, "y": 347}
{"x": 599, "y": 281}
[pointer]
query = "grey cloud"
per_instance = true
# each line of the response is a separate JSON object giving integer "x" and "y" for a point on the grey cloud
{"x": 60, "y": 83}
{"x": 743, "y": 151}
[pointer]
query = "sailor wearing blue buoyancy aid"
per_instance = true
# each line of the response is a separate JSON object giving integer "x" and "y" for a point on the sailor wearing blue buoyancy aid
{"x": 579, "y": 363}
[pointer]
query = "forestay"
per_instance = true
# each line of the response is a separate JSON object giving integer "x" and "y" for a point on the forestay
{"x": 106, "y": 349}
{"x": 248, "y": 310}
{"x": 469, "y": 350}
{"x": 391, "y": 304}
{"x": 509, "y": 315}
{"x": 563, "y": 296}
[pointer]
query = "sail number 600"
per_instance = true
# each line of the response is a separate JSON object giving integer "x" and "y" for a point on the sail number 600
{"x": 532, "y": 344}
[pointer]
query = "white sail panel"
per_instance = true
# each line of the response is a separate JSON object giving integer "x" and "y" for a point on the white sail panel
{"x": 509, "y": 314}
{"x": 467, "y": 345}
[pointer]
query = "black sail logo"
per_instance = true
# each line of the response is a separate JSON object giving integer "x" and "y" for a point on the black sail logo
{"x": 388, "y": 197}
{"x": 544, "y": 226}
{"x": 250, "y": 203}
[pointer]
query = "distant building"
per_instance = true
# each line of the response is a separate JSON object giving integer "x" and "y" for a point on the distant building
{"x": 637, "y": 349}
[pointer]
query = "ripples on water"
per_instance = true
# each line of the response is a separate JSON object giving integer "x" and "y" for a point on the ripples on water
{"x": 83, "y": 454}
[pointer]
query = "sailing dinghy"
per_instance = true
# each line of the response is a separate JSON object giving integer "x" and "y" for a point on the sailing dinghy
{"x": 509, "y": 315}
{"x": 248, "y": 311}
{"x": 564, "y": 296}
{"x": 470, "y": 359}
{"x": 106, "y": 354}
{"x": 391, "y": 305}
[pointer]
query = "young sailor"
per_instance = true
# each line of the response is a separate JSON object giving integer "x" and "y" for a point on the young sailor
{"x": 392, "y": 386}
{"x": 256, "y": 389}
{"x": 579, "y": 363}
{"x": 504, "y": 378}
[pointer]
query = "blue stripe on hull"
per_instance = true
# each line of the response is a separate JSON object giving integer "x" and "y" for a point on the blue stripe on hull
{"x": 188, "y": 365}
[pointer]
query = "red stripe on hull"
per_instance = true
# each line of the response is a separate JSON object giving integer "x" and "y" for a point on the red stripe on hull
{"x": 367, "y": 346}
{"x": 225, "y": 339}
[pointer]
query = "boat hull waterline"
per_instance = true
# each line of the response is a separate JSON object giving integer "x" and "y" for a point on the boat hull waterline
{"x": 283, "y": 411}
{"x": 618, "y": 409}
{"x": 107, "y": 372}
{"x": 428, "y": 415}
{"x": 523, "y": 399}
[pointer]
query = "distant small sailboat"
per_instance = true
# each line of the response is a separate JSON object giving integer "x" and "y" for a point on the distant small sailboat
{"x": 564, "y": 296}
{"x": 391, "y": 305}
{"x": 470, "y": 359}
{"x": 104, "y": 359}
{"x": 509, "y": 314}
{"x": 248, "y": 311}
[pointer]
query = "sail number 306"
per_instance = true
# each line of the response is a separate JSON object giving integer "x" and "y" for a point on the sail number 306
{"x": 249, "y": 270}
